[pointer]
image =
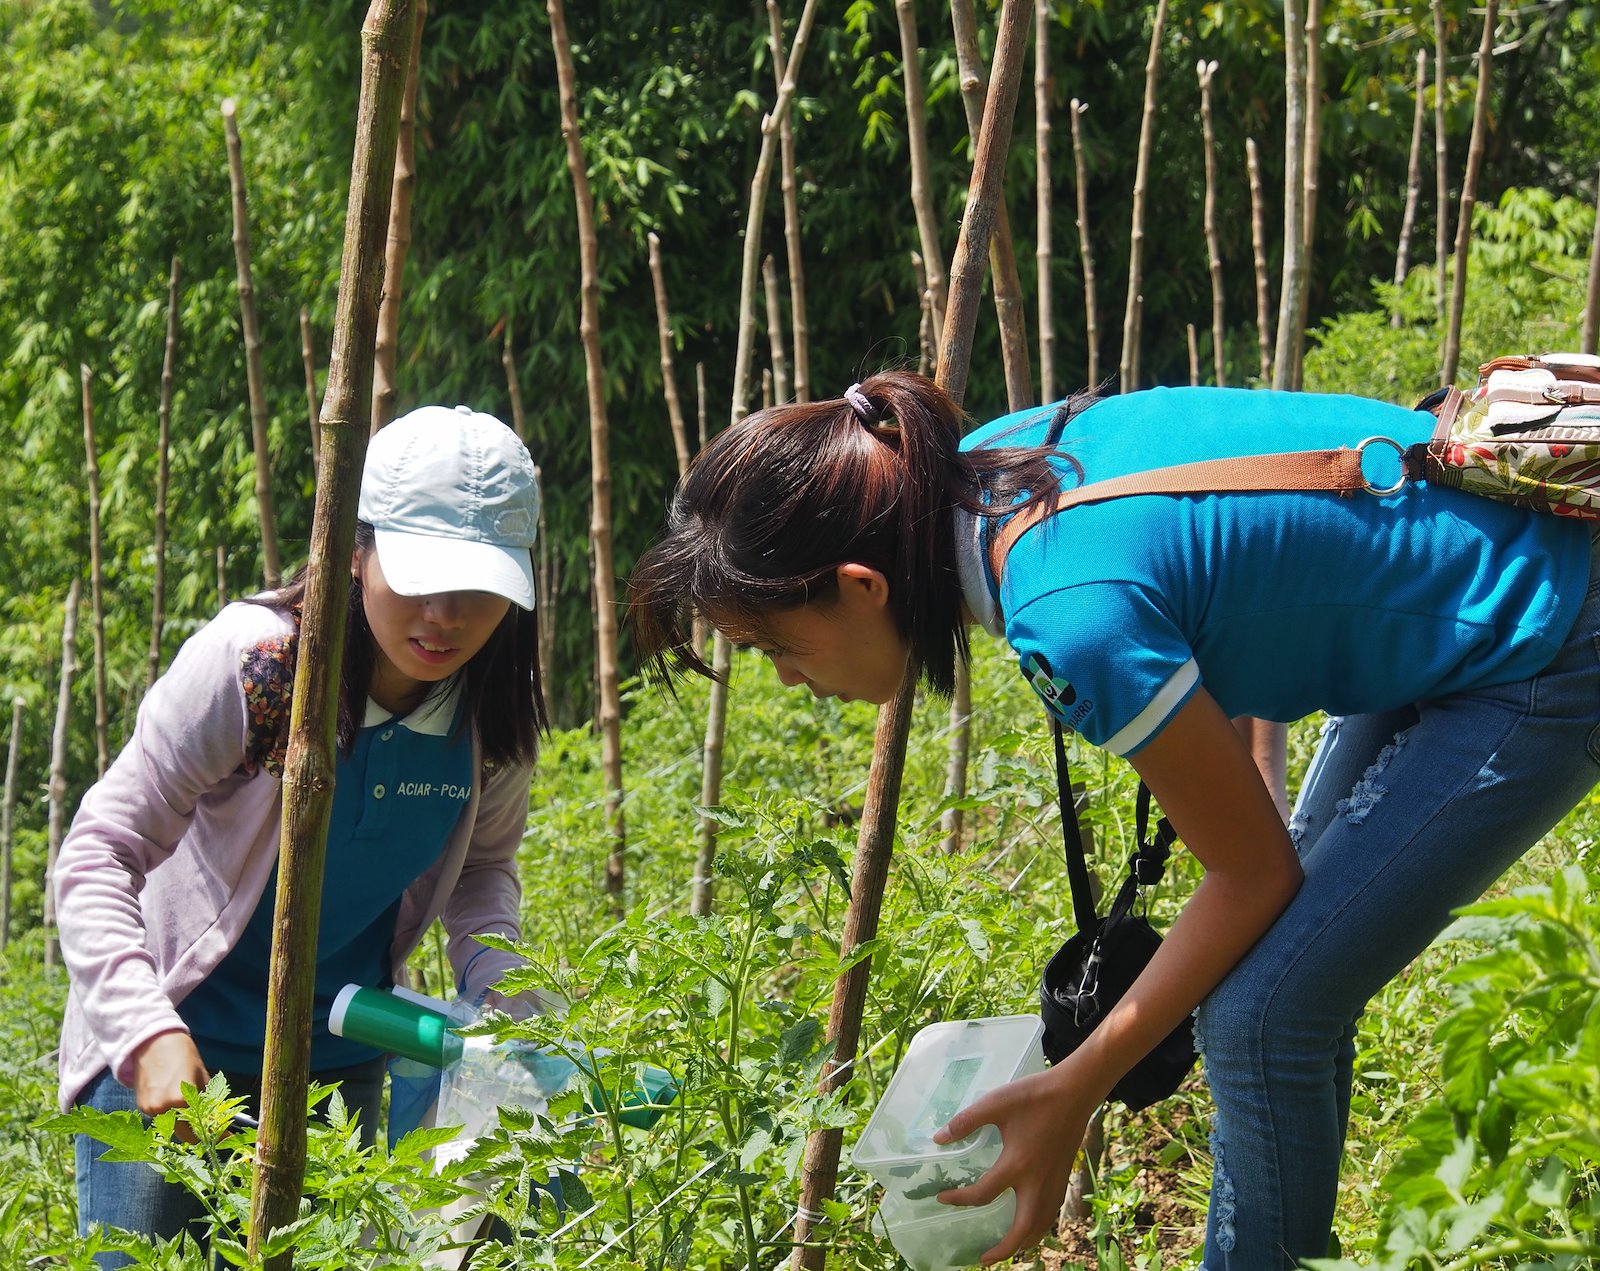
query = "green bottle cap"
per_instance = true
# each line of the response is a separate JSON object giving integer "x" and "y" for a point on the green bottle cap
{"x": 394, "y": 1024}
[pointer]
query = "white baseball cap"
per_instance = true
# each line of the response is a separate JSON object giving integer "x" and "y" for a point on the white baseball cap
{"x": 454, "y": 501}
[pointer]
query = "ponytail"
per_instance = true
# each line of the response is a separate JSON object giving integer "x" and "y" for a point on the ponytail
{"x": 776, "y": 503}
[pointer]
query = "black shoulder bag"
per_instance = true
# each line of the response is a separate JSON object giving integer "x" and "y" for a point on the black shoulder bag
{"x": 1090, "y": 972}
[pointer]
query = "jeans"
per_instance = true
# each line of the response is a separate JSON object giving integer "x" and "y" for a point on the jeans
{"x": 1402, "y": 818}
{"x": 134, "y": 1196}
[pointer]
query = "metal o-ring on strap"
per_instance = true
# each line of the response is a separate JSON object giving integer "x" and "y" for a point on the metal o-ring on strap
{"x": 1379, "y": 492}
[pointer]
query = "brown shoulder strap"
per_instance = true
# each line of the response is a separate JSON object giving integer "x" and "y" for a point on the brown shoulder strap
{"x": 1337, "y": 470}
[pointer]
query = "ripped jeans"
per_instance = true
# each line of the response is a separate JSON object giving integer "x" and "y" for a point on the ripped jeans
{"x": 1402, "y": 818}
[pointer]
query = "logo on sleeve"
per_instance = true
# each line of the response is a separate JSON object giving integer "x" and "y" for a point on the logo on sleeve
{"x": 1058, "y": 695}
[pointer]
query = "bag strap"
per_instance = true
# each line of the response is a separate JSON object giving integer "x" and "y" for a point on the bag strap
{"x": 1337, "y": 470}
{"x": 1145, "y": 866}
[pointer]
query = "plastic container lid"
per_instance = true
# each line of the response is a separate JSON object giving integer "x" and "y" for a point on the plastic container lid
{"x": 946, "y": 1067}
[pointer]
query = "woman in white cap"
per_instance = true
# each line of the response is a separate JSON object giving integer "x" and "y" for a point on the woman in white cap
{"x": 165, "y": 884}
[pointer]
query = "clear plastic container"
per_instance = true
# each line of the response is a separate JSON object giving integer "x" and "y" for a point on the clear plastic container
{"x": 946, "y": 1067}
{"x": 935, "y": 1237}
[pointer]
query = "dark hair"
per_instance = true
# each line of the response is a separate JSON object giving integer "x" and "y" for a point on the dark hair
{"x": 776, "y": 503}
{"x": 501, "y": 685}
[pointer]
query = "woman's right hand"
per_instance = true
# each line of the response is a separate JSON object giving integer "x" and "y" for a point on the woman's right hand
{"x": 160, "y": 1067}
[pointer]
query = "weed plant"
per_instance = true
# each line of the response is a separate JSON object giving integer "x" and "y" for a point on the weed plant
{"x": 1475, "y": 1082}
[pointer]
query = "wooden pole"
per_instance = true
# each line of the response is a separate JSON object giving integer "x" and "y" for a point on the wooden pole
{"x": 926, "y": 351}
{"x": 700, "y": 401}
{"x": 254, "y": 375}
{"x": 1469, "y": 194}
{"x": 96, "y": 594}
{"x": 1133, "y": 310}
{"x": 1294, "y": 192}
{"x": 702, "y": 895}
{"x": 801, "y": 335}
{"x": 1591, "y": 303}
{"x": 1091, "y": 324}
{"x": 398, "y": 244}
{"x": 780, "y": 361}
{"x": 222, "y": 576}
{"x": 917, "y": 143}
{"x": 6, "y": 810}
{"x": 1010, "y": 309}
{"x": 669, "y": 377}
{"x": 820, "y": 1167}
{"x": 1310, "y": 166}
{"x": 56, "y": 824}
{"x": 310, "y": 762}
{"x": 1194, "y": 354}
{"x": 1043, "y": 199}
{"x": 1408, "y": 220}
{"x": 1441, "y": 166}
{"x": 1206, "y": 71}
{"x": 544, "y": 586}
{"x": 309, "y": 366}
{"x": 163, "y": 475}
{"x": 605, "y": 580}
{"x": 1258, "y": 248}
{"x": 1008, "y": 303}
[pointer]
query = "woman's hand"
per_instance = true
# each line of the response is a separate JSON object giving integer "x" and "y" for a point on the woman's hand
{"x": 1041, "y": 1119}
{"x": 161, "y": 1065}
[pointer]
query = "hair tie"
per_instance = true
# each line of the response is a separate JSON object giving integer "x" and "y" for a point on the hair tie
{"x": 869, "y": 415}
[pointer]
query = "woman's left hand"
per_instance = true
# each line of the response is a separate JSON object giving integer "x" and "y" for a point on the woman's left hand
{"x": 1041, "y": 1119}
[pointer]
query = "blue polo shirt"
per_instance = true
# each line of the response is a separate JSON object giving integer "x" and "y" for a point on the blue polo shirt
{"x": 397, "y": 796}
{"x": 1279, "y": 603}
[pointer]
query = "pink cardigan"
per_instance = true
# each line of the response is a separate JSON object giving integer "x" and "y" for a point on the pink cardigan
{"x": 170, "y": 853}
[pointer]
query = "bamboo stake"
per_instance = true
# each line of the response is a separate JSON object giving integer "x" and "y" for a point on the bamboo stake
{"x": 1009, "y": 306}
{"x": 819, "y": 1170}
{"x": 1091, "y": 327}
{"x": 701, "y": 895}
{"x": 1441, "y": 164}
{"x": 398, "y": 245}
{"x": 1258, "y": 247}
{"x": 254, "y": 376}
{"x": 163, "y": 475}
{"x": 721, "y": 655}
{"x": 96, "y": 579}
{"x": 544, "y": 586}
{"x": 801, "y": 338}
{"x": 605, "y": 579}
{"x": 749, "y": 269}
{"x": 1194, "y": 355}
{"x": 308, "y": 363}
{"x": 1469, "y": 194}
{"x": 1043, "y": 199}
{"x": 310, "y": 762}
{"x": 926, "y": 351}
{"x": 780, "y": 363}
{"x": 1408, "y": 220}
{"x": 1206, "y": 71}
{"x": 1591, "y": 303}
{"x": 1310, "y": 166}
{"x": 58, "y": 767}
{"x": 1294, "y": 193}
{"x": 6, "y": 811}
{"x": 222, "y": 576}
{"x": 669, "y": 377}
{"x": 1133, "y": 310}
{"x": 917, "y": 143}
{"x": 700, "y": 401}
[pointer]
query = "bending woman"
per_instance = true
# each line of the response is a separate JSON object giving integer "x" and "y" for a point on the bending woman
{"x": 165, "y": 883}
{"x": 1452, "y": 641}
